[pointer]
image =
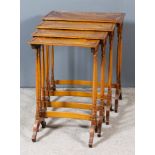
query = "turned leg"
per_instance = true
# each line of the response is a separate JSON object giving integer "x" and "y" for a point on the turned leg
{"x": 101, "y": 110}
{"x": 110, "y": 68}
{"x": 94, "y": 98}
{"x": 38, "y": 94}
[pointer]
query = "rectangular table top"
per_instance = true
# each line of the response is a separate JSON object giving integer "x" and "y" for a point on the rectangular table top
{"x": 64, "y": 42}
{"x": 77, "y": 26}
{"x": 70, "y": 34}
{"x": 85, "y": 16}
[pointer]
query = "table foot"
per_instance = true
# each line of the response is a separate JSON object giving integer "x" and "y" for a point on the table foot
{"x": 35, "y": 130}
{"x": 91, "y": 138}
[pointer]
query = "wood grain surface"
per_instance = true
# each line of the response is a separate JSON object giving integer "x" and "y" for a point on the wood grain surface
{"x": 64, "y": 42}
{"x": 69, "y": 25}
{"x": 85, "y": 16}
{"x": 70, "y": 34}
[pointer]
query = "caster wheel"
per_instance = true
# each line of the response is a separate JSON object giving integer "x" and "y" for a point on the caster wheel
{"x": 98, "y": 135}
{"x": 33, "y": 140}
{"x": 43, "y": 123}
{"x": 90, "y": 145}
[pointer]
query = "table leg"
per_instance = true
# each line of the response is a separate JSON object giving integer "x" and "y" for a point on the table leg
{"x": 38, "y": 96}
{"x": 102, "y": 110}
{"x": 110, "y": 68}
{"x": 44, "y": 106}
{"x": 119, "y": 65}
{"x": 119, "y": 57}
{"x": 47, "y": 74}
{"x": 94, "y": 98}
{"x": 52, "y": 70}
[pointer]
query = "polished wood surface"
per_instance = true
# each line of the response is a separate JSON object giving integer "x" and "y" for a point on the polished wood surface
{"x": 64, "y": 42}
{"x": 85, "y": 16}
{"x": 67, "y": 25}
{"x": 70, "y": 34}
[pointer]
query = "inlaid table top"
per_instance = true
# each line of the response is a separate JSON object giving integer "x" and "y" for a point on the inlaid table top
{"x": 76, "y": 25}
{"x": 64, "y": 42}
{"x": 85, "y": 16}
{"x": 70, "y": 34}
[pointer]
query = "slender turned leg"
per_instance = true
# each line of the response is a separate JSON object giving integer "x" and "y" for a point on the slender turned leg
{"x": 38, "y": 95}
{"x": 94, "y": 98}
{"x": 101, "y": 111}
{"x": 109, "y": 100}
{"x": 119, "y": 65}
{"x": 47, "y": 75}
{"x": 43, "y": 123}
{"x": 52, "y": 70}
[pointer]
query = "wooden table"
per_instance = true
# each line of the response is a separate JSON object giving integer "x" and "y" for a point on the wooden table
{"x": 41, "y": 41}
{"x": 91, "y": 21}
{"x": 82, "y": 30}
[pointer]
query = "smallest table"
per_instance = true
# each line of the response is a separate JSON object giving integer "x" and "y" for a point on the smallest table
{"x": 43, "y": 88}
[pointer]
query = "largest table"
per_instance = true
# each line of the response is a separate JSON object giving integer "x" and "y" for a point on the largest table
{"x": 97, "y": 17}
